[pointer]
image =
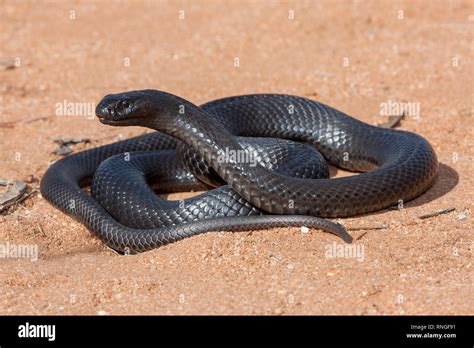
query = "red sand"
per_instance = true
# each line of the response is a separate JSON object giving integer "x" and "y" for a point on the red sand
{"x": 412, "y": 267}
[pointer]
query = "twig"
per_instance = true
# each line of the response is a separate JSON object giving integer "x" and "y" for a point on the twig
{"x": 393, "y": 121}
{"x": 18, "y": 215}
{"x": 360, "y": 237}
{"x": 71, "y": 141}
{"x": 369, "y": 228}
{"x": 436, "y": 213}
{"x": 27, "y": 195}
{"x": 40, "y": 228}
{"x": 34, "y": 119}
{"x": 12, "y": 124}
{"x": 65, "y": 145}
{"x": 366, "y": 229}
{"x": 17, "y": 201}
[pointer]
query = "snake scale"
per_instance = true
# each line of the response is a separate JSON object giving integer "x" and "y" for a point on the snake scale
{"x": 287, "y": 186}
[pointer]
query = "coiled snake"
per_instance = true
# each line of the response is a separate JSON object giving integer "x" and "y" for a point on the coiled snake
{"x": 129, "y": 217}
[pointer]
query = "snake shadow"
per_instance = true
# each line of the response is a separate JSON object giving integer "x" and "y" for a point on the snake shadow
{"x": 445, "y": 182}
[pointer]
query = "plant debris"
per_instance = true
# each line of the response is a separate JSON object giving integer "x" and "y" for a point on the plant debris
{"x": 362, "y": 235}
{"x": 363, "y": 228}
{"x": 7, "y": 63}
{"x": 62, "y": 150}
{"x": 393, "y": 121}
{"x": 14, "y": 194}
{"x": 12, "y": 124}
{"x": 65, "y": 145}
{"x": 436, "y": 213}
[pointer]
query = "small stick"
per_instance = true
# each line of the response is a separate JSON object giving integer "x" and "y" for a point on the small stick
{"x": 18, "y": 201}
{"x": 12, "y": 124}
{"x": 362, "y": 228}
{"x": 40, "y": 228}
{"x": 436, "y": 213}
{"x": 18, "y": 215}
{"x": 28, "y": 194}
{"x": 360, "y": 237}
{"x": 34, "y": 119}
{"x": 393, "y": 121}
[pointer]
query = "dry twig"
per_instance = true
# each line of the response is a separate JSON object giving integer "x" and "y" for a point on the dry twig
{"x": 436, "y": 213}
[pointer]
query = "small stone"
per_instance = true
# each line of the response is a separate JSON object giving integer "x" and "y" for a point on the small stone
{"x": 304, "y": 229}
{"x": 463, "y": 215}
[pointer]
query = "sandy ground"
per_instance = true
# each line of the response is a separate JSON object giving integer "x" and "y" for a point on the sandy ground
{"x": 354, "y": 56}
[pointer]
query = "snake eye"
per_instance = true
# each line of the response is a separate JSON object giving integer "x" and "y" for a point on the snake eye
{"x": 125, "y": 104}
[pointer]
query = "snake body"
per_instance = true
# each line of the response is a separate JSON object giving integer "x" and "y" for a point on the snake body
{"x": 396, "y": 165}
{"x": 136, "y": 204}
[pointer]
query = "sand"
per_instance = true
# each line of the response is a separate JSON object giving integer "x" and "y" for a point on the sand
{"x": 355, "y": 56}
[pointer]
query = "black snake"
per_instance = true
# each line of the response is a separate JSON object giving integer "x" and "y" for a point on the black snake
{"x": 129, "y": 217}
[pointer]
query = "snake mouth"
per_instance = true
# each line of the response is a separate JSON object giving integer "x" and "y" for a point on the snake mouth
{"x": 104, "y": 120}
{"x": 121, "y": 122}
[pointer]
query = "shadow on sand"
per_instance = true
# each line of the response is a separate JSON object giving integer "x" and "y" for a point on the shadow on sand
{"x": 446, "y": 181}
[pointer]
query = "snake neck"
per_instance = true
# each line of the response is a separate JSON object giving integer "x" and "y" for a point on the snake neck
{"x": 208, "y": 137}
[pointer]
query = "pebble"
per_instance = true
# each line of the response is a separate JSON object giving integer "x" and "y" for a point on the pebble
{"x": 463, "y": 215}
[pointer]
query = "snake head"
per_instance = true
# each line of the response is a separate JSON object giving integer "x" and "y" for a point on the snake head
{"x": 146, "y": 108}
{"x": 127, "y": 109}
